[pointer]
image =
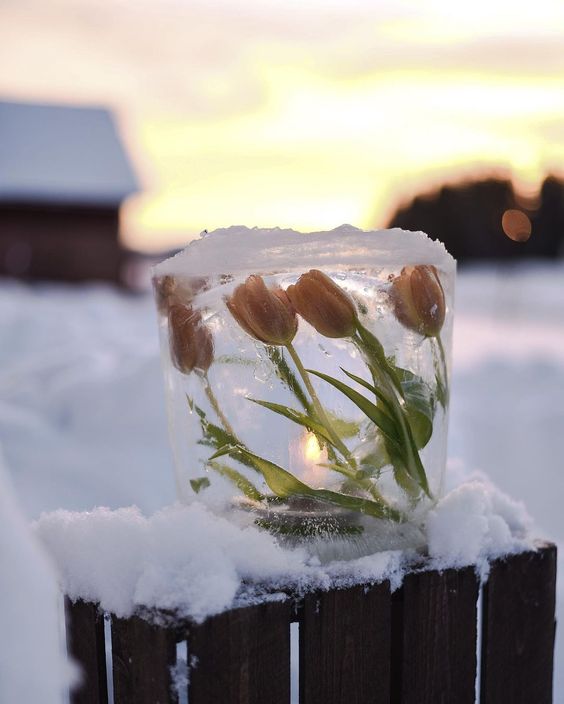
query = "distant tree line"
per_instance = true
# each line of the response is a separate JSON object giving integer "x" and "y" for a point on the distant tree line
{"x": 467, "y": 218}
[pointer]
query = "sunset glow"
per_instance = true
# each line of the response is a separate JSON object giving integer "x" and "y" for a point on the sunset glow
{"x": 306, "y": 114}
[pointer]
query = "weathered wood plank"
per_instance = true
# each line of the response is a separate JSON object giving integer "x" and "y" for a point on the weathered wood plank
{"x": 345, "y": 646}
{"x": 85, "y": 643}
{"x": 434, "y": 651}
{"x": 143, "y": 656}
{"x": 241, "y": 657}
{"x": 518, "y": 629}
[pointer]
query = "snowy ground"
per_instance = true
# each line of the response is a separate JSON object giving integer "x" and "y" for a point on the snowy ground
{"x": 82, "y": 405}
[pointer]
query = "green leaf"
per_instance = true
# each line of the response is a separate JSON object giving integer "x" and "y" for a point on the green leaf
{"x": 234, "y": 359}
{"x": 344, "y": 428}
{"x": 357, "y": 503}
{"x": 442, "y": 392}
{"x": 441, "y": 373}
{"x": 380, "y": 395}
{"x": 373, "y": 350}
{"x": 373, "y": 453}
{"x": 225, "y": 450}
{"x": 287, "y": 376}
{"x": 284, "y": 485}
{"x": 281, "y": 482}
{"x": 376, "y": 415}
{"x": 245, "y": 486}
{"x": 404, "y": 445}
{"x": 420, "y": 406}
{"x": 297, "y": 417}
{"x": 215, "y": 436}
{"x": 199, "y": 484}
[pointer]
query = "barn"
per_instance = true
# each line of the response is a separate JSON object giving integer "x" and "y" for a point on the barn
{"x": 64, "y": 175}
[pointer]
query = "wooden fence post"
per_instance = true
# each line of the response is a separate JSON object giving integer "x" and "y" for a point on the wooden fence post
{"x": 434, "y": 649}
{"x": 345, "y": 646}
{"x": 143, "y": 656}
{"x": 361, "y": 644}
{"x": 241, "y": 656}
{"x": 518, "y": 629}
{"x": 85, "y": 644}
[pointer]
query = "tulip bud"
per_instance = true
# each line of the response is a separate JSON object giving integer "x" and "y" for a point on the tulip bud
{"x": 164, "y": 287}
{"x": 266, "y": 314}
{"x": 169, "y": 290}
{"x": 419, "y": 300}
{"x": 324, "y": 304}
{"x": 191, "y": 342}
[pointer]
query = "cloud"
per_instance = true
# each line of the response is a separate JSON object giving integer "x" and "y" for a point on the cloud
{"x": 501, "y": 55}
{"x": 213, "y": 59}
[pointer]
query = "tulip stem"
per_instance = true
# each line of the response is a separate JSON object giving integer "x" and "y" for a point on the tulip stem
{"x": 365, "y": 484}
{"x": 216, "y": 407}
{"x": 319, "y": 410}
{"x": 442, "y": 356}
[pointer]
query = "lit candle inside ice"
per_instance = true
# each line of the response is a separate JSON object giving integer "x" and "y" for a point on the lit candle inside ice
{"x": 307, "y": 458}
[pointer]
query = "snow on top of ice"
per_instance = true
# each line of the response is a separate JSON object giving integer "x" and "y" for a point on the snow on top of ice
{"x": 188, "y": 559}
{"x": 242, "y": 249}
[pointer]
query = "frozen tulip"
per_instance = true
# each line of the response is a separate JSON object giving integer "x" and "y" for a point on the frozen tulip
{"x": 324, "y": 304}
{"x": 170, "y": 290}
{"x": 191, "y": 342}
{"x": 419, "y": 300}
{"x": 164, "y": 288}
{"x": 264, "y": 313}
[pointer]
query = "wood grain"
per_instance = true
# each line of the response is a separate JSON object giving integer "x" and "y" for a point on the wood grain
{"x": 345, "y": 646}
{"x": 241, "y": 657}
{"x": 143, "y": 656}
{"x": 518, "y": 629}
{"x": 85, "y": 644}
{"x": 434, "y": 645}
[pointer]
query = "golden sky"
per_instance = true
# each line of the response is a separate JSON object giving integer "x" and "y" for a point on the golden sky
{"x": 303, "y": 113}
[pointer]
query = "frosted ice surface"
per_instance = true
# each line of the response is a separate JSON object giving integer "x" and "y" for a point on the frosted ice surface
{"x": 242, "y": 249}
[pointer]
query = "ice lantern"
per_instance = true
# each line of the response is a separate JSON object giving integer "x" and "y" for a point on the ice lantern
{"x": 307, "y": 379}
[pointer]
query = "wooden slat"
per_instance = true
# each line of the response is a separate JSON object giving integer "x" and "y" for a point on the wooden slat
{"x": 345, "y": 646}
{"x": 85, "y": 643}
{"x": 518, "y": 629}
{"x": 241, "y": 657}
{"x": 435, "y": 640}
{"x": 143, "y": 655}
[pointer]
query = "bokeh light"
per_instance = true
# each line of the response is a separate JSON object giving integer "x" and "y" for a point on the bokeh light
{"x": 516, "y": 225}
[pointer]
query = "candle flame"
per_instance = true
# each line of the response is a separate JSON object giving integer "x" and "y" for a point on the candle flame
{"x": 312, "y": 450}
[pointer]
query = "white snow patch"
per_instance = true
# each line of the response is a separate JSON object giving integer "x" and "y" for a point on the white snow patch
{"x": 182, "y": 557}
{"x": 32, "y": 665}
{"x": 474, "y": 523}
{"x": 188, "y": 559}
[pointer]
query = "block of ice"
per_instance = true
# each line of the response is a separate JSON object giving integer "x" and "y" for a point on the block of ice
{"x": 307, "y": 376}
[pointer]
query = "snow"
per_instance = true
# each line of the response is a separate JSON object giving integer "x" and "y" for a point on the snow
{"x": 248, "y": 250}
{"x": 475, "y": 523}
{"x": 181, "y": 557}
{"x": 82, "y": 424}
{"x": 188, "y": 559}
{"x": 32, "y": 665}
